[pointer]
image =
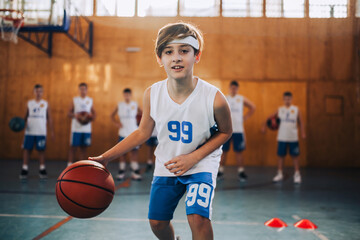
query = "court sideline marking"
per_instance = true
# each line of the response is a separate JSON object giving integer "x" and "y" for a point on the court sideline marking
{"x": 120, "y": 220}
{"x": 126, "y": 183}
{"x": 316, "y": 233}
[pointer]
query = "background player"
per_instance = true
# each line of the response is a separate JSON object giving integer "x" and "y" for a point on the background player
{"x": 287, "y": 136}
{"x": 237, "y": 103}
{"x": 36, "y": 117}
{"x": 185, "y": 109}
{"x": 127, "y": 111}
{"x": 152, "y": 142}
{"x": 80, "y": 133}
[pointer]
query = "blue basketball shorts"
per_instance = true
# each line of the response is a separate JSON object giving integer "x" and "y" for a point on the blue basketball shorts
{"x": 80, "y": 139}
{"x": 39, "y": 141}
{"x": 122, "y": 138}
{"x": 152, "y": 142}
{"x": 284, "y": 146}
{"x": 166, "y": 193}
{"x": 238, "y": 141}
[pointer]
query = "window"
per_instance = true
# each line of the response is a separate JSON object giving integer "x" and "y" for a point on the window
{"x": 82, "y": 7}
{"x": 328, "y": 8}
{"x": 242, "y": 8}
{"x": 285, "y": 8}
{"x": 121, "y": 8}
{"x": 157, "y": 8}
{"x": 200, "y": 8}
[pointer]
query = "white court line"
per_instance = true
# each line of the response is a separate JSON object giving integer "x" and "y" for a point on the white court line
{"x": 316, "y": 233}
{"x": 126, "y": 219}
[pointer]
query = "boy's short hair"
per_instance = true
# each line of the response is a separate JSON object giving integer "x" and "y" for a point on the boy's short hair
{"x": 179, "y": 30}
{"x": 37, "y": 86}
{"x": 83, "y": 85}
{"x": 287, "y": 94}
{"x": 127, "y": 90}
{"x": 234, "y": 83}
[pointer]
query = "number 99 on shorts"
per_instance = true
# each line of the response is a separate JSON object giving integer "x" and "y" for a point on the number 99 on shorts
{"x": 199, "y": 194}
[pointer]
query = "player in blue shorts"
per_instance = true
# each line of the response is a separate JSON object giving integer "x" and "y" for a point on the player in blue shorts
{"x": 80, "y": 136}
{"x": 185, "y": 110}
{"x": 127, "y": 111}
{"x": 37, "y": 116}
{"x": 287, "y": 137}
{"x": 237, "y": 103}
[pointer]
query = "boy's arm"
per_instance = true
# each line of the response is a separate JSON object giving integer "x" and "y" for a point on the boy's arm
{"x": 181, "y": 164}
{"x": 93, "y": 114}
{"x": 26, "y": 113}
{"x": 113, "y": 118}
{"x": 136, "y": 138}
{"x": 251, "y": 106}
{"x": 263, "y": 127}
{"x": 50, "y": 121}
{"x": 302, "y": 127}
{"x": 71, "y": 113}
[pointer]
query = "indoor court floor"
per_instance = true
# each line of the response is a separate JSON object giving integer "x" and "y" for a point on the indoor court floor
{"x": 329, "y": 198}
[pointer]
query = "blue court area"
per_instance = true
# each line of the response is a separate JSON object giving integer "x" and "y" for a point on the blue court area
{"x": 330, "y": 198}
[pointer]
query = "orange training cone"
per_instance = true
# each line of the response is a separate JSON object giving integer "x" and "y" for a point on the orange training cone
{"x": 305, "y": 224}
{"x": 275, "y": 223}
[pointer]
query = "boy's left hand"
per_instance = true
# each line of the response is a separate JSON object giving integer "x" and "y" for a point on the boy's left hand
{"x": 180, "y": 164}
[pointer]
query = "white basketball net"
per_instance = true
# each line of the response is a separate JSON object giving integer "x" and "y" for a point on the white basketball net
{"x": 10, "y": 27}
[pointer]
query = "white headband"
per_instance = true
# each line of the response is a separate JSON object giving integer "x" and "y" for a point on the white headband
{"x": 188, "y": 40}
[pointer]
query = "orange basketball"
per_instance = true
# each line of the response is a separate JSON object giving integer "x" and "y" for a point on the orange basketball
{"x": 84, "y": 118}
{"x": 85, "y": 189}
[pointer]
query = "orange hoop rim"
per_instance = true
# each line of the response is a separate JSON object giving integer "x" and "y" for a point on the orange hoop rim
{"x": 10, "y": 18}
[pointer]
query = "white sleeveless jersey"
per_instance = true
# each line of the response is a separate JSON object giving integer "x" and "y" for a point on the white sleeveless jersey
{"x": 288, "y": 131}
{"x": 36, "y": 121}
{"x": 154, "y": 133}
{"x": 127, "y": 114}
{"x": 236, "y": 104}
{"x": 182, "y": 128}
{"x": 81, "y": 105}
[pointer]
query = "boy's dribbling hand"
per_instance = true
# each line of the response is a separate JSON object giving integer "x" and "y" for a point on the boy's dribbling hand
{"x": 180, "y": 164}
{"x": 99, "y": 159}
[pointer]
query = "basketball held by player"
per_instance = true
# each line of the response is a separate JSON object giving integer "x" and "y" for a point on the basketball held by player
{"x": 37, "y": 117}
{"x": 184, "y": 108}
{"x": 287, "y": 136}
{"x": 81, "y": 113}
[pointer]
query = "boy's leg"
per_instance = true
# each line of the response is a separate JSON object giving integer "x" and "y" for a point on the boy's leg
{"x": 72, "y": 152}
{"x": 295, "y": 152}
{"x": 239, "y": 147}
{"x": 200, "y": 227}
{"x": 75, "y": 139}
{"x": 122, "y": 168}
{"x": 135, "y": 168}
{"x": 27, "y": 146}
{"x": 83, "y": 152}
{"x": 163, "y": 230}
{"x": 281, "y": 152}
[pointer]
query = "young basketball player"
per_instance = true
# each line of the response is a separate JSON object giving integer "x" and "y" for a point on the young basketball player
{"x": 237, "y": 103}
{"x": 185, "y": 110}
{"x": 152, "y": 142}
{"x": 80, "y": 132}
{"x": 287, "y": 137}
{"x": 37, "y": 116}
{"x": 127, "y": 111}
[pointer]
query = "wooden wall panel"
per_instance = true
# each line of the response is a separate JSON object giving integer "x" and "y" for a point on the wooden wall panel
{"x": 267, "y": 56}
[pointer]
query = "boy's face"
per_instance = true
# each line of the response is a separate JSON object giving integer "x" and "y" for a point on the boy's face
{"x": 83, "y": 91}
{"x": 287, "y": 100}
{"x": 38, "y": 92}
{"x": 127, "y": 96}
{"x": 178, "y": 60}
{"x": 233, "y": 89}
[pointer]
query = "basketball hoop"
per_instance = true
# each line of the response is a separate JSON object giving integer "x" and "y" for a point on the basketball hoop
{"x": 10, "y": 23}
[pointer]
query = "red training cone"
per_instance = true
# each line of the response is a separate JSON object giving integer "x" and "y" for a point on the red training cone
{"x": 305, "y": 224}
{"x": 275, "y": 223}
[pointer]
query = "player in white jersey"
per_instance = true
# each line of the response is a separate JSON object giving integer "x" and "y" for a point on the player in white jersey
{"x": 37, "y": 116}
{"x": 80, "y": 136}
{"x": 287, "y": 137}
{"x": 126, "y": 122}
{"x": 186, "y": 111}
{"x": 151, "y": 143}
{"x": 237, "y": 103}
